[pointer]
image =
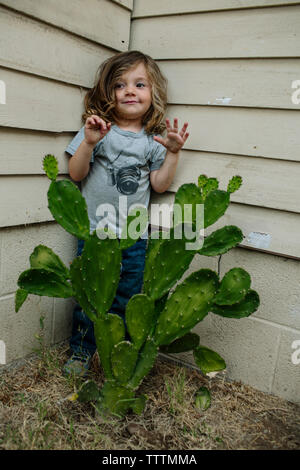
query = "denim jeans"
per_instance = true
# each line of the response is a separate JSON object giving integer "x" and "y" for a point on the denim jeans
{"x": 131, "y": 281}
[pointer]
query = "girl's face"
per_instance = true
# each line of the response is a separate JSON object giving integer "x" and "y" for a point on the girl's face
{"x": 133, "y": 94}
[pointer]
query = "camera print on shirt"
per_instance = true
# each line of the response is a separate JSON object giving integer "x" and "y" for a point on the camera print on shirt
{"x": 126, "y": 178}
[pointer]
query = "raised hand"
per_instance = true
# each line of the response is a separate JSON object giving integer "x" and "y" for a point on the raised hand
{"x": 95, "y": 129}
{"x": 174, "y": 140}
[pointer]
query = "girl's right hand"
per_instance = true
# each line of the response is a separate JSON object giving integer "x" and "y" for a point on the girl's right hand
{"x": 95, "y": 129}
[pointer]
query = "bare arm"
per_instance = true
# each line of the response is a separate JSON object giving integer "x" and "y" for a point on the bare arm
{"x": 161, "y": 179}
{"x": 94, "y": 130}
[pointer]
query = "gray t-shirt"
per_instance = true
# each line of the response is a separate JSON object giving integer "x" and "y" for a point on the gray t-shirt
{"x": 119, "y": 175}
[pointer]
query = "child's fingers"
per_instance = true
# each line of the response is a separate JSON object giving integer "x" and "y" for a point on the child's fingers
{"x": 185, "y": 136}
{"x": 175, "y": 126}
{"x": 184, "y": 128}
{"x": 168, "y": 125}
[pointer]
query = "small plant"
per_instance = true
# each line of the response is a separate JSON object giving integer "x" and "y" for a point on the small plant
{"x": 157, "y": 319}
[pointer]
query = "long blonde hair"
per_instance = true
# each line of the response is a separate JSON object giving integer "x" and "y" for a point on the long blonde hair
{"x": 100, "y": 99}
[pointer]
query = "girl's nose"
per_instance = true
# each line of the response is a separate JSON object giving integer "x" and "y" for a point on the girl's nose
{"x": 130, "y": 89}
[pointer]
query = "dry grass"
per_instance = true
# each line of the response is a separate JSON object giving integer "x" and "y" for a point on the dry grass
{"x": 34, "y": 412}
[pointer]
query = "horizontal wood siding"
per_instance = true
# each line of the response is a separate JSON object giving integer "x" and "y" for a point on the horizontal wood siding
{"x": 263, "y": 229}
{"x": 232, "y": 82}
{"x": 266, "y": 32}
{"x": 50, "y": 52}
{"x": 173, "y": 7}
{"x": 40, "y": 50}
{"x": 102, "y": 21}
{"x": 230, "y": 66}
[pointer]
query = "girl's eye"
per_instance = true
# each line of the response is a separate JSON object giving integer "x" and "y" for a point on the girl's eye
{"x": 140, "y": 85}
{"x": 119, "y": 85}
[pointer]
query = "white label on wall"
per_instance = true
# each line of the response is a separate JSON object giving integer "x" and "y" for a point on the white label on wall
{"x": 2, "y": 92}
{"x": 259, "y": 239}
{"x": 2, "y": 353}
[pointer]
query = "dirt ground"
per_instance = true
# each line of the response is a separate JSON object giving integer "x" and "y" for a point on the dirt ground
{"x": 36, "y": 414}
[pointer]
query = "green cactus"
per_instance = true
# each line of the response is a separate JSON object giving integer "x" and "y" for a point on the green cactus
{"x": 160, "y": 318}
{"x": 123, "y": 359}
{"x": 50, "y": 166}
{"x": 202, "y": 399}
{"x": 166, "y": 262}
{"x": 140, "y": 318}
{"x": 68, "y": 208}
{"x": 44, "y": 257}
{"x": 233, "y": 288}
{"x": 187, "y": 342}
{"x": 221, "y": 241}
{"x": 208, "y": 360}
{"x": 234, "y": 184}
{"x": 98, "y": 258}
{"x": 187, "y": 306}
{"x": 109, "y": 331}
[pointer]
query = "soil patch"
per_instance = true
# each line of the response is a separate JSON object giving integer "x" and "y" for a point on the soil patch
{"x": 36, "y": 414}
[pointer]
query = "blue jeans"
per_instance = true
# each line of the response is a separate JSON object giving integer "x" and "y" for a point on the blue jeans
{"x": 131, "y": 281}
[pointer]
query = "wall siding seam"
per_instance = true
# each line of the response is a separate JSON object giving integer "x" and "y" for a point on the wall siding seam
{"x": 42, "y": 77}
{"x": 279, "y": 326}
{"x": 1, "y": 262}
{"x": 230, "y": 106}
{"x": 276, "y": 361}
{"x": 122, "y": 5}
{"x": 7, "y": 296}
{"x": 241, "y": 155}
{"x": 222, "y": 10}
{"x": 54, "y": 26}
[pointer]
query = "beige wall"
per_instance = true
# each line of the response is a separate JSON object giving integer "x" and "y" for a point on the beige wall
{"x": 48, "y": 59}
{"x": 230, "y": 66}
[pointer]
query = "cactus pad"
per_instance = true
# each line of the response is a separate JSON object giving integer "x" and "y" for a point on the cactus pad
{"x": 109, "y": 331}
{"x": 188, "y": 193}
{"x": 233, "y": 288}
{"x": 88, "y": 392}
{"x": 202, "y": 399}
{"x": 234, "y": 184}
{"x": 50, "y": 166}
{"x": 145, "y": 363}
{"x": 115, "y": 399}
{"x": 78, "y": 288}
{"x": 248, "y": 305}
{"x": 136, "y": 224}
{"x": 101, "y": 262}
{"x": 44, "y": 257}
{"x": 123, "y": 360}
{"x": 215, "y": 206}
{"x": 44, "y": 282}
{"x": 165, "y": 265}
{"x": 186, "y": 343}
{"x": 69, "y": 208}
{"x": 188, "y": 305}
{"x": 20, "y": 297}
{"x": 140, "y": 318}
{"x": 208, "y": 360}
{"x": 221, "y": 241}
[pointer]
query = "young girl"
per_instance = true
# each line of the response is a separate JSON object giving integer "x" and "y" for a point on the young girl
{"x": 118, "y": 157}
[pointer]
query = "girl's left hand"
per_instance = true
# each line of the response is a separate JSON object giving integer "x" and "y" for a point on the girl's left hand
{"x": 174, "y": 140}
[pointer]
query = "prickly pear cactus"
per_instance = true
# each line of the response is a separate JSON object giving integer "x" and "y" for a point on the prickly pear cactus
{"x": 161, "y": 317}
